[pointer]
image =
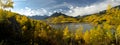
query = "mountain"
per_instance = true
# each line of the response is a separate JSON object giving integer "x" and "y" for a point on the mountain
{"x": 61, "y": 18}
{"x": 56, "y": 14}
{"x": 38, "y": 17}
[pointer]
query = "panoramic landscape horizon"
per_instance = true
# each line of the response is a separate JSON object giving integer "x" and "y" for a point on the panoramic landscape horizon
{"x": 59, "y": 22}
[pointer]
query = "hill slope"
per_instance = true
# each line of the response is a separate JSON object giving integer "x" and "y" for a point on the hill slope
{"x": 62, "y": 18}
{"x": 17, "y": 29}
{"x": 38, "y": 17}
{"x": 110, "y": 16}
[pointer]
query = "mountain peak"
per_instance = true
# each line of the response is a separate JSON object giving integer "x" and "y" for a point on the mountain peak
{"x": 56, "y": 14}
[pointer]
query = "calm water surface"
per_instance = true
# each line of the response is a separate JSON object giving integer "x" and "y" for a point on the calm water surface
{"x": 72, "y": 26}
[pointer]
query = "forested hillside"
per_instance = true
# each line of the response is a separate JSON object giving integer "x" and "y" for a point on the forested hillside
{"x": 16, "y": 29}
{"x": 56, "y": 18}
{"x": 111, "y": 16}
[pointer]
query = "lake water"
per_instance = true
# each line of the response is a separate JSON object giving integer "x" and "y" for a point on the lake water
{"x": 72, "y": 26}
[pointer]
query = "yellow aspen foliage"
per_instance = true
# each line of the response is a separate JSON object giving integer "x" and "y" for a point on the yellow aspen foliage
{"x": 107, "y": 26}
{"x": 86, "y": 37}
{"x": 43, "y": 34}
{"x": 37, "y": 26}
{"x": 9, "y": 14}
{"x": 117, "y": 34}
{"x": 109, "y": 9}
{"x": 1, "y": 14}
{"x": 61, "y": 16}
{"x": 118, "y": 31}
{"x": 21, "y": 19}
{"x": 100, "y": 36}
{"x": 79, "y": 33}
{"x": 6, "y": 3}
{"x": 24, "y": 28}
{"x": 66, "y": 33}
{"x": 109, "y": 36}
{"x": 118, "y": 28}
{"x": 96, "y": 36}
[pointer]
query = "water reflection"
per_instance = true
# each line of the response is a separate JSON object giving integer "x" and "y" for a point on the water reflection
{"x": 72, "y": 26}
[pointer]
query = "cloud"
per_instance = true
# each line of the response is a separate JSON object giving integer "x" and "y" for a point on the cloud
{"x": 19, "y": 0}
{"x": 64, "y": 4}
{"x": 74, "y": 10}
{"x": 31, "y": 12}
{"x": 94, "y": 8}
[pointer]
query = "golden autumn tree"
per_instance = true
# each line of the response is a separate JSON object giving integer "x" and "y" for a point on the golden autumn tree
{"x": 117, "y": 35}
{"x": 79, "y": 33}
{"x": 6, "y": 4}
{"x": 66, "y": 33}
{"x": 86, "y": 37}
{"x": 109, "y": 9}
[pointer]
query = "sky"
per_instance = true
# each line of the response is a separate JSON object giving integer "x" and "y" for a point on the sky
{"x": 69, "y": 7}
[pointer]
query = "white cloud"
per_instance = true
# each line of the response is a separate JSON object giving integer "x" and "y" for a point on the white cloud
{"x": 74, "y": 10}
{"x": 19, "y": 0}
{"x": 65, "y": 4}
{"x": 31, "y": 12}
{"x": 94, "y": 8}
